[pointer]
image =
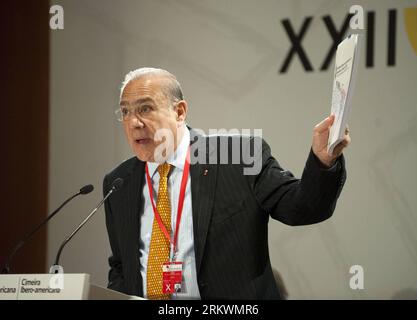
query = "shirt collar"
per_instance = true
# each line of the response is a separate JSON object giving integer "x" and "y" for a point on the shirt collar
{"x": 177, "y": 159}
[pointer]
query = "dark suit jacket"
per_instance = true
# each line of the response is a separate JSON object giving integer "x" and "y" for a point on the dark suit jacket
{"x": 230, "y": 218}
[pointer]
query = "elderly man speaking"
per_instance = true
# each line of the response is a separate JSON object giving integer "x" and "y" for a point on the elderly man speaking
{"x": 188, "y": 225}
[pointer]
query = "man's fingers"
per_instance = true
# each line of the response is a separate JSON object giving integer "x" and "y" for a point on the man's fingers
{"x": 347, "y": 140}
{"x": 342, "y": 145}
{"x": 325, "y": 124}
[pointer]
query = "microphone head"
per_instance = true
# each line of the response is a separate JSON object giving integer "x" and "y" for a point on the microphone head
{"x": 117, "y": 183}
{"x": 87, "y": 189}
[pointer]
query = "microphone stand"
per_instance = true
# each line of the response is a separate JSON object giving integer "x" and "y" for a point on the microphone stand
{"x": 6, "y": 268}
{"x": 56, "y": 267}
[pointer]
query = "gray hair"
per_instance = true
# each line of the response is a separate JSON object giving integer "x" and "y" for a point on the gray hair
{"x": 171, "y": 88}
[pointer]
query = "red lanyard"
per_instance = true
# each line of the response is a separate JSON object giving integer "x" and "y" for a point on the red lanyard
{"x": 184, "y": 181}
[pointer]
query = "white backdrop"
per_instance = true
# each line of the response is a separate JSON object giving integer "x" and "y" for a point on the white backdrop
{"x": 227, "y": 55}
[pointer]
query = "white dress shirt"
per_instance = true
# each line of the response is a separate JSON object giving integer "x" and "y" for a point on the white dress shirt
{"x": 185, "y": 250}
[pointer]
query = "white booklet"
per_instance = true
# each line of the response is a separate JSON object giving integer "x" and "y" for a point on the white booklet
{"x": 346, "y": 65}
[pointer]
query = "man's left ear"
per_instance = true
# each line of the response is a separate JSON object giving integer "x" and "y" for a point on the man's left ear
{"x": 182, "y": 109}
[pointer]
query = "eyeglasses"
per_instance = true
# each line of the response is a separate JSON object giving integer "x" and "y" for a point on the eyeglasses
{"x": 124, "y": 113}
{"x": 143, "y": 111}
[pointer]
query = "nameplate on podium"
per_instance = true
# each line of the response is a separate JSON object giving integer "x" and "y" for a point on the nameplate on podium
{"x": 44, "y": 286}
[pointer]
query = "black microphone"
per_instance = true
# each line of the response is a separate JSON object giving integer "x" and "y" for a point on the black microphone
{"x": 6, "y": 269}
{"x": 117, "y": 183}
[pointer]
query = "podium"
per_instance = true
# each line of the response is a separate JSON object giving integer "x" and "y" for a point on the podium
{"x": 60, "y": 286}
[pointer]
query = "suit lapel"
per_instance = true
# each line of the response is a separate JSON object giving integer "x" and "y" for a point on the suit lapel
{"x": 134, "y": 209}
{"x": 203, "y": 186}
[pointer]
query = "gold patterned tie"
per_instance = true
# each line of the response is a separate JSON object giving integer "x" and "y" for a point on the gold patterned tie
{"x": 159, "y": 248}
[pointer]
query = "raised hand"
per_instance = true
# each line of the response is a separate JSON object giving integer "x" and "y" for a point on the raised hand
{"x": 320, "y": 137}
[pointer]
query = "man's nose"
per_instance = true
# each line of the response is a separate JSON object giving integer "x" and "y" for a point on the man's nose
{"x": 136, "y": 122}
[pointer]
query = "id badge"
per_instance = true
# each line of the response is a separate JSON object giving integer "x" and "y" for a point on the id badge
{"x": 171, "y": 277}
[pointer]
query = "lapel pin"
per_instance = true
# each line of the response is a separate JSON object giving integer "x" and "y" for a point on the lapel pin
{"x": 205, "y": 172}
